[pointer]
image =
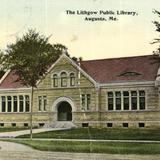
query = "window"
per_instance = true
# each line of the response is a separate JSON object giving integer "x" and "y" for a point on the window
{"x": 125, "y": 125}
{"x": 126, "y": 100}
{"x": 88, "y": 101}
{"x": 141, "y": 125}
{"x": 39, "y": 103}
{"x": 55, "y": 80}
{"x": 3, "y": 103}
{"x": 27, "y": 103}
{"x": 2, "y": 124}
{"x": 63, "y": 79}
{"x": 109, "y": 124}
{"x": 72, "y": 79}
{"x": 44, "y": 102}
{"x": 141, "y": 100}
{"x": 21, "y": 105}
{"x": 25, "y": 124}
{"x": 13, "y": 124}
{"x": 9, "y": 103}
{"x": 15, "y": 104}
{"x": 118, "y": 100}
{"x": 83, "y": 101}
{"x": 129, "y": 73}
{"x": 134, "y": 100}
{"x": 110, "y": 100}
{"x": 41, "y": 124}
{"x": 85, "y": 125}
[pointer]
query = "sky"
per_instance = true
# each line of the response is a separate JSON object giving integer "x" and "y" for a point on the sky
{"x": 128, "y": 35}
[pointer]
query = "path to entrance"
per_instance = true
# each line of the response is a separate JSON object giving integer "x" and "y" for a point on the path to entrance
{"x": 10, "y": 146}
{"x": 14, "y": 151}
{"x": 23, "y": 132}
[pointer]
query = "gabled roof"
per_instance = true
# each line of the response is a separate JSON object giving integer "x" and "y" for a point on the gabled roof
{"x": 139, "y": 68}
{"x": 75, "y": 64}
{"x": 9, "y": 80}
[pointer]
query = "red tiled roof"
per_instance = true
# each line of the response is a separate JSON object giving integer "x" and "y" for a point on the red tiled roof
{"x": 106, "y": 71}
{"x": 113, "y": 70}
{"x": 10, "y": 81}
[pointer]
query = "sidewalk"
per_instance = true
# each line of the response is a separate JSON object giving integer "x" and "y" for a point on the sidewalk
{"x": 23, "y": 132}
{"x": 11, "y": 146}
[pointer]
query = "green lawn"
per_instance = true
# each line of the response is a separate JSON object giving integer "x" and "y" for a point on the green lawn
{"x": 95, "y": 133}
{"x": 95, "y": 147}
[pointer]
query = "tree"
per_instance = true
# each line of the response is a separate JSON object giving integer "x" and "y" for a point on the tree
{"x": 156, "y": 40}
{"x": 2, "y": 69}
{"x": 30, "y": 57}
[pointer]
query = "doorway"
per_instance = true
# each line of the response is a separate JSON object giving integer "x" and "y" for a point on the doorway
{"x": 64, "y": 111}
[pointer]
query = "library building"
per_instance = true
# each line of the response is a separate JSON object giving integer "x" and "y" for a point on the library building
{"x": 116, "y": 92}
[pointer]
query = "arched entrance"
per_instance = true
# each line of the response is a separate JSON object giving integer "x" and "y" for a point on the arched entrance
{"x": 64, "y": 111}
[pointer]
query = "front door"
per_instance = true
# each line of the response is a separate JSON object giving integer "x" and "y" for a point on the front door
{"x": 64, "y": 112}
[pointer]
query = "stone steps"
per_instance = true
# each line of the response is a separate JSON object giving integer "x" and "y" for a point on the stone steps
{"x": 60, "y": 124}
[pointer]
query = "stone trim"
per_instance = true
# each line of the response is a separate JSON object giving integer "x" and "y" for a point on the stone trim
{"x": 115, "y": 84}
{"x": 15, "y": 89}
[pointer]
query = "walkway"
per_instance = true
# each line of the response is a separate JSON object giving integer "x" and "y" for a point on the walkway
{"x": 23, "y": 132}
{"x": 10, "y": 146}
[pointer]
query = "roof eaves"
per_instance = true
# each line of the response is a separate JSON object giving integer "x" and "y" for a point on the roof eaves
{"x": 4, "y": 76}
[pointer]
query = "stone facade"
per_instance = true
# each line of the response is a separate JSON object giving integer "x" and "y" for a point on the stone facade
{"x": 87, "y": 99}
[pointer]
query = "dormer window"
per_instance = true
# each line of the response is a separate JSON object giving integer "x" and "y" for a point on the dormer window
{"x": 72, "y": 79}
{"x": 63, "y": 79}
{"x": 129, "y": 73}
{"x": 55, "y": 80}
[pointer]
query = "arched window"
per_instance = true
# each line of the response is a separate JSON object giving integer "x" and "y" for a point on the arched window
{"x": 63, "y": 79}
{"x": 72, "y": 79}
{"x": 55, "y": 80}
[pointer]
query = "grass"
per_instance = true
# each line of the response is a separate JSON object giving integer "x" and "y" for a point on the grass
{"x": 94, "y": 147}
{"x": 104, "y": 133}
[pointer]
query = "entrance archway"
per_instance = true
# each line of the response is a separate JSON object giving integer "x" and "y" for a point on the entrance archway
{"x": 64, "y": 111}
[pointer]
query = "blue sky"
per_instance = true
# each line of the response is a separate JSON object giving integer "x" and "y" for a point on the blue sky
{"x": 129, "y": 36}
